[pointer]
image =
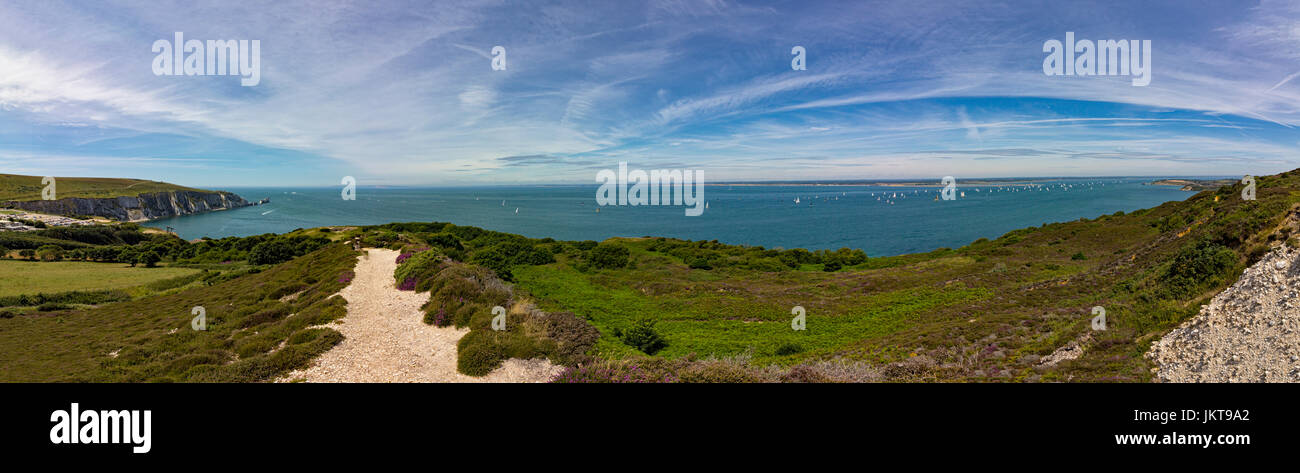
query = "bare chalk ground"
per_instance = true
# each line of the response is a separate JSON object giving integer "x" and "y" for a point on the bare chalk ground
{"x": 386, "y": 340}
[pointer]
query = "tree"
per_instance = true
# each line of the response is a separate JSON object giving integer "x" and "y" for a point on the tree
{"x": 274, "y": 251}
{"x": 128, "y": 255}
{"x": 27, "y": 253}
{"x": 148, "y": 258}
{"x": 49, "y": 253}
{"x": 4, "y": 252}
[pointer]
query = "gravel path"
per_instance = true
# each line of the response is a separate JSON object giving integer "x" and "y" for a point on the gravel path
{"x": 386, "y": 341}
{"x": 1248, "y": 333}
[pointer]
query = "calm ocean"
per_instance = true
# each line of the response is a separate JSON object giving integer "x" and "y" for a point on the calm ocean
{"x": 825, "y": 217}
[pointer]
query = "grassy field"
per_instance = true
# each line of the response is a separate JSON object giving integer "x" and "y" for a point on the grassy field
{"x": 258, "y": 326}
{"x": 22, "y": 188}
{"x": 31, "y": 277}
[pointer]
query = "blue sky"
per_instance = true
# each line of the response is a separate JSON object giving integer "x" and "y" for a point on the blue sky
{"x": 398, "y": 93}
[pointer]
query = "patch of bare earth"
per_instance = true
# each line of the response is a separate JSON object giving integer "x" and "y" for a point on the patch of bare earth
{"x": 386, "y": 340}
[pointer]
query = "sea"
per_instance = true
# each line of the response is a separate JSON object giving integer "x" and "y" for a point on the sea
{"x": 881, "y": 219}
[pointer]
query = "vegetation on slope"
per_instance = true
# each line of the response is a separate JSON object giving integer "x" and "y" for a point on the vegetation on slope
{"x": 259, "y": 325}
{"x": 656, "y": 309}
{"x": 990, "y": 311}
{"x": 23, "y": 188}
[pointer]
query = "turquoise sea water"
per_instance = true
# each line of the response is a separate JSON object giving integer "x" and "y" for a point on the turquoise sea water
{"x": 825, "y": 217}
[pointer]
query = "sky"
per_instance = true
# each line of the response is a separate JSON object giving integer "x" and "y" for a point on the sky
{"x": 405, "y": 93}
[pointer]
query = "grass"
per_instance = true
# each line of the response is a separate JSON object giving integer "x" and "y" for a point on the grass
{"x": 721, "y": 318}
{"x": 251, "y": 334}
{"x": 983, "y": 312}
{"x": 32, "y": 277}
{"x": 14, "y": 187}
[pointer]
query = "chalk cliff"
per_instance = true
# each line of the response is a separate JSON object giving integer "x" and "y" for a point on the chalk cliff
{"x": 137, "y": 208}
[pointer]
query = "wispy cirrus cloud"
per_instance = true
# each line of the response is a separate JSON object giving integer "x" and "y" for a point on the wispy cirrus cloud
{"x": 403, "y": 92}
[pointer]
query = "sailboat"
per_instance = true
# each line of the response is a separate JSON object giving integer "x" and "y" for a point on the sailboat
{"x": 516, "y": 210}
{"x": 796, "y": 201}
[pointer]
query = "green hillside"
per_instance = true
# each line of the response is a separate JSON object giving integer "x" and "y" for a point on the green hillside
{"x": 14, "y": 187}
{"x": 989, "y": 311}
{"x": 672, "y": 310}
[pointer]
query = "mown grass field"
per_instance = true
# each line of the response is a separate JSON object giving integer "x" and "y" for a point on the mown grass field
{"x": 22, "y": 188}
{"x": 31, "y": 277}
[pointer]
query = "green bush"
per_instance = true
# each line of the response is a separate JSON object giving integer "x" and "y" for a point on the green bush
{"x": 478, "y": 353}
{"x": 788, "y": 349}
{"x": 1204, "y": 264}
{"x": 49, "y": 253}
{"x": 271, "y": 252}
{"x": 418, "y": 267}
{"x": 609, "y": 256}
{"x": 643, "y": 336}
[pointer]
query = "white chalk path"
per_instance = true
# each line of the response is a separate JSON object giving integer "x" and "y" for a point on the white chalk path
{"x": 386, "y": 340}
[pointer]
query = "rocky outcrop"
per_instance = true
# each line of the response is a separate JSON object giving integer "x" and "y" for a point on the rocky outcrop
{"x": 1249, "y": 333}
{"x": 137, "y": 208}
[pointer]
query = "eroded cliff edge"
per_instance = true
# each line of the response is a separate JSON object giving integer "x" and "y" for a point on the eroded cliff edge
{"x": 137, "y": 208}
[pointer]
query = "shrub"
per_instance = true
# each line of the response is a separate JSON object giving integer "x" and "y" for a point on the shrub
{"x": 609, "y": 256}
{"x": 1200, "y": 265}
{"x": 53, "y": 306}
{"x": 49, "y": 253}
{"x": 418, "y": 267}
{"x": 788, "y": 349}
{"x": 699, "y": 263}
{"x": 1078, "y": 256}
{"x": 148, "y": 258}
{"x": 643, "y": 336}
{"x": 831, "y": 267}
{"x": 478, "y": 354}
{"x": 572, "y": 335}
{"x": 495, "y": 260}
{"x": 275, "y": 251}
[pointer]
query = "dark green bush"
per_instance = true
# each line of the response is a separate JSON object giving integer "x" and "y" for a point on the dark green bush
{"x": 1202, "y": 265}
{"x": 271, "y": 252}
{"x": 609, "y": 256}
{"x": 788, "y": 349}
{"x": 642, "y": 336}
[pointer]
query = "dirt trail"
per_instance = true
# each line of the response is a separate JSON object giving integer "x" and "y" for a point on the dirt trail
{"x": 386, "y": 340}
